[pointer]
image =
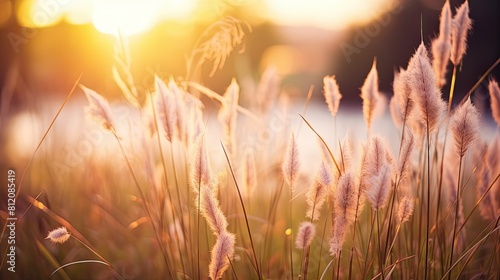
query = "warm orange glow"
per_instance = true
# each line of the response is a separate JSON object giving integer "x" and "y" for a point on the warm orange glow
{"x": 125, "y": 17}
{"x": 136, "y": 16}
{"x": 328, "y": 14}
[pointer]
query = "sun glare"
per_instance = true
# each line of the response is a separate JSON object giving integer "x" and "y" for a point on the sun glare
{"x": 135, "y": 16}
{"x": 328, "y": 14}
{"x": 125, "y": 17}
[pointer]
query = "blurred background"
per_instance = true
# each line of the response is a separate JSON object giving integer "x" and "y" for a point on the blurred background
{"x": 46, "y": 44}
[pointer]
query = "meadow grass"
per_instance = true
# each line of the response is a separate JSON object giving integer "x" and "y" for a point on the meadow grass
{"x": 164, "y": 204}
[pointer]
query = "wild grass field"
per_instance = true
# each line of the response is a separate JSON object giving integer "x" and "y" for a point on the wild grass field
{"x": 161, "y": 186}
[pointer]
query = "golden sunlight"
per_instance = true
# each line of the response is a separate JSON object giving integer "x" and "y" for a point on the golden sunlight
{"x": 135, "y": 16}
{"x": 328, "y": 14}
{"x": 125, "y": 17}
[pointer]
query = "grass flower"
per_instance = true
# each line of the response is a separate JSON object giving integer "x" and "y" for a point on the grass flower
{"x": 227, "y": 115}
{"x": 494, "y": 91}
{"x": 59, "y": 235}
{"x": 222, "y": 38}
{"x": 441, "y": 46}
{"x": 317, "y": 192}
{"x": 291, "y": 164}
{"x": 424, "y": 90}
{"x": 345, "y": 211}
{"x": 210, "y": 209}
{"x": 332, "y": 94}
{"x": 221, "y": 254}
{"x": 373, "y": 101}
{"x": 405, "y": 209}
{"x": 98, "y": 109}
{"x": 305, "y": 235}
{"x": 461, "y": 25}
{"x": 201, "y": 170}
{"x": 464, "y": 125}
{"x": 166, "y": 108}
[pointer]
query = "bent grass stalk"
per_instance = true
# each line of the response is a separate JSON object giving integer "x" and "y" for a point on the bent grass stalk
{"x": 30, "y": 161}
{"x": 139, "y": 189}
{"x": 244, "y": 212}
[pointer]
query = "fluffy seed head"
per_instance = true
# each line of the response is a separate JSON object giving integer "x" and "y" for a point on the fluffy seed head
{"x": 461, "y": 25}
{"x": 464, "y": 125}
{"x": 345, "y": 211}
{"x": 98, "y": 109}
{"x": 201, "y": 171}
{"x": 441, "y": 46}
{"x": 268, "y": 88}
{"x": 166, "y": 109}
{"x": 209, "y": 208}
{"x": 291, "y": 164}
{"x": 494, "y": 90}
{"x": 401, "y": 102}
{"x": 222, "y": 251}
{"x": 332, "y": 94}
{"x": 317, "y": 192}
{"x": 404, "y": 161}
{"x": 305, "y": 235}
{"x": 424, "y": 90}
{"x": 405, "y": 209}
{"x": 376, "y": 155}
{"x": 346, "y": 197}
{"x": 228, "y": 114}
{"x": 58, "y": 235}
{"x": 222, "y": 37}
{"x": 379, "y": 186}
{"x": 373, "y": 101}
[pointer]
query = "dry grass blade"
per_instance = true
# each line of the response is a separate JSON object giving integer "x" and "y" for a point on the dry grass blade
{"x": 77, "y": 262}
{"x": 324, "y": 143}
{"x": 244, "y": 213}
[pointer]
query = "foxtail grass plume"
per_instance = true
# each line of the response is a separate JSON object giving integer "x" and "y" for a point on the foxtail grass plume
{"x": 379, "y": 186}
{"x": 375, "y": 156}
{"x": 345, "y": 210}
{"x": 268, "y": 89}
{"x": 404, "y": 160}
{"x": 464, "y": 125}
{"x": 317, "y": 192}
{"x": 397, "y": 116}
{"x": 250, "y": 173}
{"x": 332, "y": 94}
{"x": 401, "y": 104}
{"x": 441, "y": 46}
{"x": 405, "y": 209}
{"x": 201, "y": 171}
{"x": 179, "y": 97}
{"x": 227, "y": 115}
{"x": 58, "y": 235}
{"x": 461, "y": 25}
{"x": 305, "y": 235}
{"x": 98, "y": 109}
{"x": 373, "y": 101}
{"x": 291, "y": 163}
{"x": 221, "y": 254}
{"x": 210, "y": 209}
{"x": 166, "y": 108}
{"x": 494, "y": 90}
{"x": 424, "y": 89}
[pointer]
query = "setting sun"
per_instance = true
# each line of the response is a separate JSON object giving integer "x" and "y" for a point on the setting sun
{"x": 125, "y": 17}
